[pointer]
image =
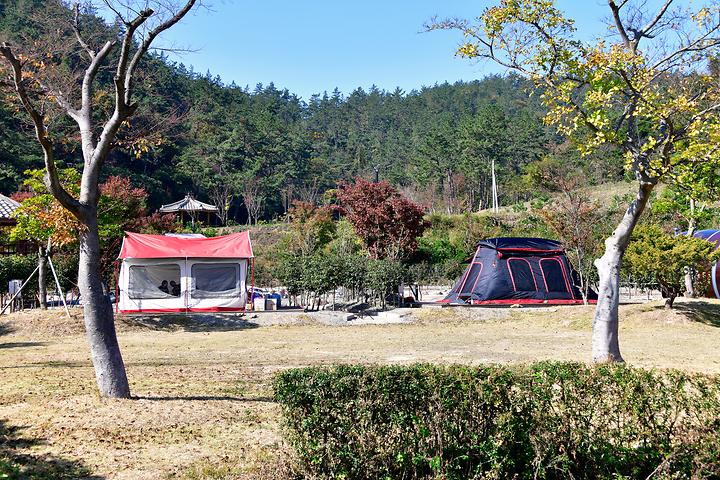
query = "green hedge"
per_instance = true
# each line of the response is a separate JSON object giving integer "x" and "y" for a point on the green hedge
{"x": 547, "y": 420}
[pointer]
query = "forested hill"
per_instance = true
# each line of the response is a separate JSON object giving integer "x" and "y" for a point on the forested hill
{"x": 265, "y": 147}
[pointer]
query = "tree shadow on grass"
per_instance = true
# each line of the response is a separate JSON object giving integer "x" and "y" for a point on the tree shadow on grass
{"x": 188, "y": 323}
{"x": 5, "y": 329}
{"x": 204, "y": 398}
{"x": 699, "y": 311}
{"x": 21, "y": 344}
{"x": 16, "y": 464}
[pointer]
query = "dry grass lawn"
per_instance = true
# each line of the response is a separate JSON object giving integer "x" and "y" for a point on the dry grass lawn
{"x": 204, "y": 408}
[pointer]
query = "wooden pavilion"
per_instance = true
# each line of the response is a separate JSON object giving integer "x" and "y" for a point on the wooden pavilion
{"x": 191, "y": 207}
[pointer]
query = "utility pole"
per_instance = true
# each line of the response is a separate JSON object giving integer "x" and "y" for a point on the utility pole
{"x": 496, "y": 204}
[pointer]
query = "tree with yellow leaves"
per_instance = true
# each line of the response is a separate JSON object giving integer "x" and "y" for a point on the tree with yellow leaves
{"x": 645, "y": 88}
{"x": 42, "y": 220}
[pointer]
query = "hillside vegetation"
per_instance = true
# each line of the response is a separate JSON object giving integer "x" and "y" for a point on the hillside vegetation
{"x": 233, "y": 145}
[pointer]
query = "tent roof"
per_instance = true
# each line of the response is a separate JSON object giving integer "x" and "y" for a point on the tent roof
{"x": 188, "y": 204}
{"x": 7, "y": 207}
{"x": 520, "y": 244}
{"x": 137, "y": 245}
{"x": 709, "y": 235}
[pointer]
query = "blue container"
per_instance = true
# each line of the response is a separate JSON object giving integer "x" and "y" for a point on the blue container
{"x": 277, "y": 297}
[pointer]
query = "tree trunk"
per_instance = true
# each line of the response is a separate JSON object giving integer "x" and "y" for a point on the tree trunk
{"x": 669, "y": 301}
{"x": 42, "y": 278}
{"x": 689, "y": 287}
{"x": 99, "y": 321}
{"x": 605, "y": 345}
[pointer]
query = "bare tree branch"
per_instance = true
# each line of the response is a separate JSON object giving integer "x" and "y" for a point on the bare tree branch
{"x": 52, "y": 180}
{"x": 644, "y": 31}
{"x": 85, "y": 122}
{"x": 619, "y": 24}
{"x": 115, "y": 11}
{"x": 78, "y": 36}
{"x": 145, "y": 45}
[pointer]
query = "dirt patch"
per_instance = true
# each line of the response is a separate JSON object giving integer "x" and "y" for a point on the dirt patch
{"x": 42, "y": 324}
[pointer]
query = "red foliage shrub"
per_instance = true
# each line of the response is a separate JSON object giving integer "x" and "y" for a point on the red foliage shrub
{"x": 22, "y": 196}
{"x": 156, "y": 223}
{"x": 388, "y": 223}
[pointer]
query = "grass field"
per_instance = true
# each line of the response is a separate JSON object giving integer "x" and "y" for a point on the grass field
{"x": 203, "y": 406}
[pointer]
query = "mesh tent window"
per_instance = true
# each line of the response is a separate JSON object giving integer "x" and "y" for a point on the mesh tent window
{"x": 521, "y": 274}
{"x": 471, "y": 279}
{"x": 554, "y": 275}
{"x": 153, "y": 281}
{"x": 215, "y": 280}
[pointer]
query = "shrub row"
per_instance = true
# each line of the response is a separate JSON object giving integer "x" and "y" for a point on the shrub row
{"x": 546, "y": 420}
{"x": 318, "y": 274}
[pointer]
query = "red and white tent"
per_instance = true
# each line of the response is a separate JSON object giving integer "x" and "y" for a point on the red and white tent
{"x": 162, "y": 273}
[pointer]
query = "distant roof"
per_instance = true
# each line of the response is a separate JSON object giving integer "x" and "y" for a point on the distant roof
{"x": 138, "y": 245}
{"x": 188, "y": 204}
{"x": 7, "y": 207}
{"x": 528, "y": 244}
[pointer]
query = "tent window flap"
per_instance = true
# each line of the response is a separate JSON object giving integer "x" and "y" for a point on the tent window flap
{"x": 553, "y": 274}
{"x": 154, "y": 281}
{"x": 215, "y": 280}
{"x": 521, "y": 275}
{"x": 472, "y": 278}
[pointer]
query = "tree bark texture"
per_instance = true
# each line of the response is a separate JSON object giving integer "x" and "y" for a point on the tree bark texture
{"x": 99, "y": 321}
{"x": 669, "y": 302}
{"x": 605, "y": 344}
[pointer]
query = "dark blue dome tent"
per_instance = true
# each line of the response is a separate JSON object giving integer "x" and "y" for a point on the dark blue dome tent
{"x": 712, "y": 236}
{"x": 516, "y": 270}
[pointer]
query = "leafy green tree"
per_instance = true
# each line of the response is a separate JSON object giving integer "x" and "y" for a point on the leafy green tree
{"x": 691, "y": 197}
{"x": 484, "y": 142}
{"x": 690, "y": 201}
{"x": 644, "y": 89}
{"x": 383, "y": 278}
{"x": 210, "y": 161}
{"x": 311, "y": 228}
{"x": 665, "y": 257}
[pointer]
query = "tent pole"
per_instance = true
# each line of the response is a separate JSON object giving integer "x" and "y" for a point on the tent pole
{"x": 19, "y": 291}
{"x": 252, "y": 282}
{"x": 57, "y": 284}
{"x": 117, "y": 286}
{"x": 187, "y": 287}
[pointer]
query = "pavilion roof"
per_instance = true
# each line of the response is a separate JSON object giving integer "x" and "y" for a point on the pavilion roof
{"x": 7, "y": 207}
{"x": 188, "y": 204}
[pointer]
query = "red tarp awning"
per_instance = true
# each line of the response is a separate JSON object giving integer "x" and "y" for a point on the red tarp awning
{"x": 138, "y": 245}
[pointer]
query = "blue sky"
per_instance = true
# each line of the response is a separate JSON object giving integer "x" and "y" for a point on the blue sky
{"x": 315, "y": 45}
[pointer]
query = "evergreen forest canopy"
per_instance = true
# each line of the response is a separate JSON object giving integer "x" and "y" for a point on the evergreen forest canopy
{"x": 253, "y": 151}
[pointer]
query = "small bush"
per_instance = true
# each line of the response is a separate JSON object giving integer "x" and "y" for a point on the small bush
{"x": 547, "y": 421}
{"x": 20, "y": 267}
